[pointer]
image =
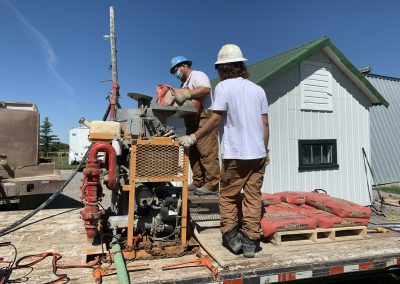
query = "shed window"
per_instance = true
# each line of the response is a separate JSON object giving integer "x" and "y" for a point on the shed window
{"x": 316, "y": 86}
{"x": 317, "y": 154}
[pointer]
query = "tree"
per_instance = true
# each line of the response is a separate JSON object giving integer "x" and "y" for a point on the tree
{"x": 59, "y": 146}
{"x": 47, "y": 140}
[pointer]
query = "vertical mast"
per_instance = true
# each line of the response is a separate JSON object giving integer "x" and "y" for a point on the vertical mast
{"x": 115, "y": 87}
{"x": 113, "y": 47}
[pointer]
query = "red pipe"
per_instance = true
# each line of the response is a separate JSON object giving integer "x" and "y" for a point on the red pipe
{"x": 111, "y": 160}
{"x": 91, "y": 188}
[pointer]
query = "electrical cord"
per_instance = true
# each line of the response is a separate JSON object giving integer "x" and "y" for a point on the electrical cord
{"x": 48, "y": 201}
{"x": 11, "y": 263}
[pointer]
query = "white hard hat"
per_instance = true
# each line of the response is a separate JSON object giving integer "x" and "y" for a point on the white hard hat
{"x": 230, "y": 53}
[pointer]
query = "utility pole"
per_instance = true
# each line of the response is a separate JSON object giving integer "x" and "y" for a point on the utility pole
{"x": 115, "y": 86}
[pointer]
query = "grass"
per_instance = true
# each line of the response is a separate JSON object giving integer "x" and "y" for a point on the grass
{"x": 61, "y": 161}
{"x": 393, "y": 188}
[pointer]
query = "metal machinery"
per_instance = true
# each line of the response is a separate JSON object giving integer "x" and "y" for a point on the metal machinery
{"x": 147, "y": 173}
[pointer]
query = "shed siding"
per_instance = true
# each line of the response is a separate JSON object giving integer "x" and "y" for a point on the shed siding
{"x": 348, "y": 123}
{"x": 385, "y": 132}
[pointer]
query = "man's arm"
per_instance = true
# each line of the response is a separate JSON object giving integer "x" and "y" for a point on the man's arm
{"x": 213, "y": 122}
{"x": 196, "y": 93}
{"x": 199, "y": 92}
{"x": 266, "y": 130}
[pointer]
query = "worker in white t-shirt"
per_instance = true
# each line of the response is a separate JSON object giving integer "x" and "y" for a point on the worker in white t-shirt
{"x": 203, "y": 156}
{"x": 240, "y": 108}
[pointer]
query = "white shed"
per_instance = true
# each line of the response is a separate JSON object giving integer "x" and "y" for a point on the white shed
{"x": 319, "y": 121}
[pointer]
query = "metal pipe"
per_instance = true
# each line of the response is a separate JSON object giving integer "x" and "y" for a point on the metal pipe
{"x": 115, "y": 87}
{"x": 91, "y": 191}
{"x": 122, "y": 272}
{"x": 111, "y": 160}
{"x": 208, "y": 250}
{"x": 85, "y": 122}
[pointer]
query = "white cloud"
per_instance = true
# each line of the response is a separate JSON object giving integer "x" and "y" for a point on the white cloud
{"x": 50, "y": 56}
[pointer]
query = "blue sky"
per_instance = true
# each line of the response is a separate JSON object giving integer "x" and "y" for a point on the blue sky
{"x": 53, "y": 54}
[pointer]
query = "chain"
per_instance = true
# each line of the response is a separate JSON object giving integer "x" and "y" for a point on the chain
{"x": 158, "y": 252}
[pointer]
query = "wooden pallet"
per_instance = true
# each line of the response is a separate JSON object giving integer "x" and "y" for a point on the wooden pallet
{"x": 319, "y": 235}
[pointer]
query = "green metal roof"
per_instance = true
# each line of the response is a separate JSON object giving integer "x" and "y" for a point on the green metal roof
{"x": 266, "y": 71}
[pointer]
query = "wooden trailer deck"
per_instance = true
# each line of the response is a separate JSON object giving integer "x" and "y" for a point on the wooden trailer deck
{"x": 61, "y": 230}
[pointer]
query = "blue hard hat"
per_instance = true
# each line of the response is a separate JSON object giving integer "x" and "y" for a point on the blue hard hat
{"x": 178, "y": 60}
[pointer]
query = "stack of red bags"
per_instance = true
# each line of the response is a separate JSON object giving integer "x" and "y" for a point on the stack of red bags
{"x": 286, "y": 211}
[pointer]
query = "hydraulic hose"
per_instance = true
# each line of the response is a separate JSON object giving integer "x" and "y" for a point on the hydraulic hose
{"x": 48, "y": 201}
{"x": 122, "y": 272}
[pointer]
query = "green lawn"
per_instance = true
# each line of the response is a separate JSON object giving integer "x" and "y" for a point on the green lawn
{"x": 61, "y": 161}
{"x": 390, "y": 188}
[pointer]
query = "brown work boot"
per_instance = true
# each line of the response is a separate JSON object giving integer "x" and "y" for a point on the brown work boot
{"x": 191, "y": 187}
{"x": 204, "y": 191}
{"x": 249, "y": 246}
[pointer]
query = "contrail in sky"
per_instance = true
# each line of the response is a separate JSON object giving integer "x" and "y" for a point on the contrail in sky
{"x": 49, "y": 54}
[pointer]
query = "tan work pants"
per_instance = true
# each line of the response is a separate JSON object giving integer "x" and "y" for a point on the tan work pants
{"x": 203, "y": 156}
{"x": 235, "y": 175}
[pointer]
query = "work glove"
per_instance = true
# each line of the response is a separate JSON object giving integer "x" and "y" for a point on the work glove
{"x": 182, "y": 95}
{"x": 187, "y": 140}
{"x": 267, "y": 158}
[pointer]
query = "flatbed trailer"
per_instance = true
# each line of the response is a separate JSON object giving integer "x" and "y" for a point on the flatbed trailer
{"x": 61, "y": 230}
{"x": 306, "y": 261}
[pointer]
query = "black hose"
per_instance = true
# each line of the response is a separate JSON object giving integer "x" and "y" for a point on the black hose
{"x": 48, "y": 201}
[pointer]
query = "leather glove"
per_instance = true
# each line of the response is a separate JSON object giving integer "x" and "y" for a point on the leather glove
{"x": 267, "y": 158}
{"x": 182, "y": 95}
{"x": 187, "y": 140}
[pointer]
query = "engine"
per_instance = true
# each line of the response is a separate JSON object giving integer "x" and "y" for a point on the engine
{"x": 157, "y": 212}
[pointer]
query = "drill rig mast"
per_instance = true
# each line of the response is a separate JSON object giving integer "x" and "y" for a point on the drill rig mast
{"x": 146, "y": 172}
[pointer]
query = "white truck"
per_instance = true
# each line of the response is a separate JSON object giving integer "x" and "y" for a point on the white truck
{"x": 78, "y": 144}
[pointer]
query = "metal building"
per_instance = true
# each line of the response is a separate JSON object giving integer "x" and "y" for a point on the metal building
{"x": 385, "y": 131}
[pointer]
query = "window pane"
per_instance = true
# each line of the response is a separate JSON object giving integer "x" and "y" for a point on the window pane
{"x": 306, "y": 155}
{"x": 317, "y": 154}
{"x": 327, "y": 154}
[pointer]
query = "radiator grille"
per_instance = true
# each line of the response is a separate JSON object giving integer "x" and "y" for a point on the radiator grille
{"x": 158, "y": 161}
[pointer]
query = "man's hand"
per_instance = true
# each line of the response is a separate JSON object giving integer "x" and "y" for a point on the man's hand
{"x": 267, "y": 158}
{"x": 187, "y": 140}
{"x": 182, "y": 95}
